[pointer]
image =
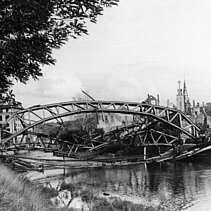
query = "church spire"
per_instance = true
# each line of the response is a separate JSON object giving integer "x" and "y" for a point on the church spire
{"x": 186, "y": 99}
{"x": 185, "y": 91}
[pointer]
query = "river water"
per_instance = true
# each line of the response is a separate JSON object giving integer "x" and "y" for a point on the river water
{"x": 166, "y": 186}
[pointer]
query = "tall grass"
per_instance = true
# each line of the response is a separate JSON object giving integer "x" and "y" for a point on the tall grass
{"x": 19, "y": 194}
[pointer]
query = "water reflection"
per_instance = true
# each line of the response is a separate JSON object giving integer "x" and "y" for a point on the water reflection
{"x": 167, "y": 186}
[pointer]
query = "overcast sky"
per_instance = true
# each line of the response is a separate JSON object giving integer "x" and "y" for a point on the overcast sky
{"x": 137, "y": 48}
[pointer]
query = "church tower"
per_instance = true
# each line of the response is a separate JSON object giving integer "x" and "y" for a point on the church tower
{"x": 183, "y": 102}
{"x": 180, "y": 99}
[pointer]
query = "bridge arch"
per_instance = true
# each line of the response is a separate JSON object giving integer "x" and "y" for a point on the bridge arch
{"x": 36, "y": 115}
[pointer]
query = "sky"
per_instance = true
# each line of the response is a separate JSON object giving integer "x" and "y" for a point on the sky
{"x": 137, "y": 48}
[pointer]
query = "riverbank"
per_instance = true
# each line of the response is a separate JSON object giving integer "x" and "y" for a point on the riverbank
{"x": 19, "y": 194}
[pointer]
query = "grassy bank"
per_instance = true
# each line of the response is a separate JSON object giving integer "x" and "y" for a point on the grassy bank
{"x": 119, "y": 205}
{"x": 114, "y": 204}
{"x": 19, "y": 194}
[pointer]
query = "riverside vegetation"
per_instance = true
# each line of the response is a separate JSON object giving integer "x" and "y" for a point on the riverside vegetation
{"x": 17, "y": 193}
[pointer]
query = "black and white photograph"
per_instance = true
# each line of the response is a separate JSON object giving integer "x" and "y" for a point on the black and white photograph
{"x": 105, "y": 105}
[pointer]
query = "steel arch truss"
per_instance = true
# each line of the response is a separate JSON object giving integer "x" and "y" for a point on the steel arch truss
{"x": 151, "y": 122}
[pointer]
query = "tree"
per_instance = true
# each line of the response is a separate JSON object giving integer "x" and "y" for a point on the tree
{"x": 31, "y": 29}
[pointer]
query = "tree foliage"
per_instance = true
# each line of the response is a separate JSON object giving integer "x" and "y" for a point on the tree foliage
{"x": 31, "y": 29}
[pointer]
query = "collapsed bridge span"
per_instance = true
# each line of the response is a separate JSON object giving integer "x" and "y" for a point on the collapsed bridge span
{"x": 150, "y": 126}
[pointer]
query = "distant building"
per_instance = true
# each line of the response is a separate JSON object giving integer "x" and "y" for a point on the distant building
{"x": 108, "y": 121}
{"x": 182, "y": 99}
{"x": 170, "y": 104}
{"x": 199, "y": 114}
{"x": 6, "y": 110}
{"x": 207, "y": 109}
{"x": 152, "y": 100}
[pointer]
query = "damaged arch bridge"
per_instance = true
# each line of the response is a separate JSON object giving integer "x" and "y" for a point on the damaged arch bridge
{"x": 154, "y": 132}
